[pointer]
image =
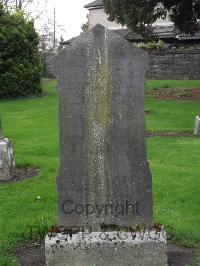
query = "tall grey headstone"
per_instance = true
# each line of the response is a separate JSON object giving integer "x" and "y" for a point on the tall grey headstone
{"x": 104, "y": 182}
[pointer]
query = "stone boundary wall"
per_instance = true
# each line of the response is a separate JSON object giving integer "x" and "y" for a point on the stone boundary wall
{"x": 174, "y": 64}
{"x": 164, "y": 64}
{"x": 47, "y": 65}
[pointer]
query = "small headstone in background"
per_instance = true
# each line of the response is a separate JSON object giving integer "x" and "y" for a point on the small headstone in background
{"x": 197, "y": 126}
{"x": 7, "y": 162}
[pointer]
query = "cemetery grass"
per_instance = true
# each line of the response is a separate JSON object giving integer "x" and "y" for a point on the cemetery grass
{"x": 171, "y": 115}
{"x": 32, "y": 125}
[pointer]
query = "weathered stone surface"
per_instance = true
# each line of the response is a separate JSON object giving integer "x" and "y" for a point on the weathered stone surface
{"x": 168, "y": 63}
{"x": 104, "y": 182}
{"x": 7, "y": 162}
{"x": 104, "y": 174}
{"x": 174, "y": 64}
{"x": 197, "y": 126}
{"x": 147, "y": 248}
{"x": 48, "y": 70}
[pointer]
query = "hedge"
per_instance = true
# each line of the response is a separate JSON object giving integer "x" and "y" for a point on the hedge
{"x": 20, "y": 62}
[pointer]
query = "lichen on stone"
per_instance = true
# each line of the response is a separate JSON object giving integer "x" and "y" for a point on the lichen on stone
{"x": 98, "y": 124}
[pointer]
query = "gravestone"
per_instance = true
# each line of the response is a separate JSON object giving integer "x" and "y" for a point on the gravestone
{"x": 7, "y": 162}
{"x": 197, "y": 126}
{"x": 104, "y": 185}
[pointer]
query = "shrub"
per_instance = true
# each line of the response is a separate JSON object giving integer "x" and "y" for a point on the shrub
{"x": 20, "y": 63}
{"x": 151, "y": 45}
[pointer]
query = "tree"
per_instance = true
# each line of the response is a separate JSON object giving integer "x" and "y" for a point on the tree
{"x": 33, "y": 9}
{"x": 49, "y": 32}
{"x": 139, "y": 15}
{"x": 20, "y": 63}
{"x": 46, "y": 24}
{"x": 85, "y": 27}
{"x": 48, "y": 40}
{"x": 17, "y": 4}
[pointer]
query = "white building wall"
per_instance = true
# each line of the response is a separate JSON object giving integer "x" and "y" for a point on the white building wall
{"x": 96, "y": 16}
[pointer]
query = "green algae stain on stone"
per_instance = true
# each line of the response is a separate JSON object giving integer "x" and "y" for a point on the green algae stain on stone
{"x": 99, "y": 122}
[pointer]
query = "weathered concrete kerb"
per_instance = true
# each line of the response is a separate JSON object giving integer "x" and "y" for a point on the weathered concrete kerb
{"x": 104, "y": 181}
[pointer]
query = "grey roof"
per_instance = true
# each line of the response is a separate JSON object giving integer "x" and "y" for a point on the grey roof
{"x": 97, "y": 3}
{"x": 175, "y": 35}
{"x": 183, "y": 36}
{"x": 162, "y": 33}
{"x": 67, "y": 42}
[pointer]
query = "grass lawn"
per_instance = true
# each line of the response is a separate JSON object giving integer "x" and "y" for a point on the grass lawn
{"x": 32, "y": 125}
{"x": 172, "y": 116}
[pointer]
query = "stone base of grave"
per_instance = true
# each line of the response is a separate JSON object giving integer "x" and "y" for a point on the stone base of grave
{"x": 148, "y": 248}
{"x": 197, "y": 126}
{"x": 7, "y": 163}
